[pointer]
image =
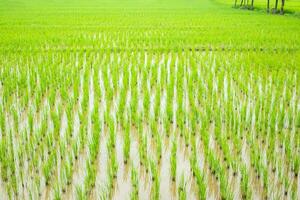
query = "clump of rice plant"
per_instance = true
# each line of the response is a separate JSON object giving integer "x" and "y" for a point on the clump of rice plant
{"x": 245, "y": 184}
{"x": 126, "y": 148}
{"x": 90, "y": 178}
{"x": 155, "y": 180}
{"x": 182, "y": 193}
{"x": 173, "y": 161}
{"x": 134, "y": 195}
{"x": 80, "y": 193}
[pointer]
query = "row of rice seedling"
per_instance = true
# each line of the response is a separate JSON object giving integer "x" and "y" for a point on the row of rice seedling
{"x": 194, "y": 112}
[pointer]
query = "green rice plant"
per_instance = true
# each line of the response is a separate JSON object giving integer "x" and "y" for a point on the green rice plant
{"x": 298, "y": 119}
{"x": 167, "y": 127}
{"x": 57, "y": 192}
{"x": 94, "y": 146}
{"x": 146, "y": 103}
{"x": 62, "y": 150}
{"x": 153, "y": 128}
{"x": 95, "y": 117}
{"x": 56, "y": 122}
{"x": 296, "y": 166}
{"x": 158, "y": 147}
{"x": 16, "y": 120}
{"x": 173, "y": 160}
{"x": 111, "y": 179}
{"x": 157, "y": 102}
{"x": 155, "y": 181}
{"x": 2, "y": 122}
{"x": 201, "y": 185}
{"x": 143, "y": 149}
{"x": 90, "y": 178}
{"x": 121, "y": 108}
{"x": 80, "y": 193}
{"x": 182, "y": 193}
{"x": 13, "y": 179}
{"x": 245, "y": 184}
{"x": 199, "y": 176}
{"x": 112, "y": 133}
{"x": 224, "y": 186}
{"x": 186, "y": 135}
{"x": 82, "y": 136}
{"x": 266, "y": 182}
{"x": 68, "y": 171}
{"x": 113, "y": 165}
{"x": 169, "y": 108}
{"x": 3, "y": 159}
{"x": 30, "y": 122}
{"x": 293, "y": 192}
{"x": 47, "y": 171}
{"x": 287, "y": 184}
{"x": 37, "y": 185}
{"x": 126, "y": 148}
{"x": 48, "y": 167}
{"x": 134, "y": 195}
{"x": 75, "y": 150}
{"x": 10, "y": 191}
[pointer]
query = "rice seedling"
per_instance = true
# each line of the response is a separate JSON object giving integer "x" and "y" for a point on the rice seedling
{"x": 173, "y": 161}
{"x": 158, "y": 147}
{"x": 126, "y": 143}
{"x": 90, "y": 178}
{"x": 80, "y": 193}
{"x": 57, "y": 193}
{"x": 134, "y": 184}
{"x": 199, "y": 177}
{"x": 68, "y": 171}
{"x": 182, "y": 194}
{"x": 155, "y": 180}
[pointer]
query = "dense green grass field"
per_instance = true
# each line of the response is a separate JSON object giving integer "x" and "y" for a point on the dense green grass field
{"x": 148, "y": 99}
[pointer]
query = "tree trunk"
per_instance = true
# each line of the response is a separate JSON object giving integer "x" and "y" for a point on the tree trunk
{"x": 276, "y": 6}
{"x": 235, "y": 3}
{"x": 241, "y": 3}
{"x": 252, "y": 3}
{"x": 282, "y": 7}
{"x": 268, "y": 5}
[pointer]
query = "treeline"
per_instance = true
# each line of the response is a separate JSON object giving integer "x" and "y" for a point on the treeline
{"x": 249, "y": 4}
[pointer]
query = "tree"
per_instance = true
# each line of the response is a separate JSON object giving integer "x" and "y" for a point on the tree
{"x": 276, "y": 6}
{"x": 252, "y": 3}
{"x": 275, "y": 10}
{"x": 282, "y": 7}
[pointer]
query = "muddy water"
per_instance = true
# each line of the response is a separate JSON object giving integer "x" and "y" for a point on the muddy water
{"x": 123, "y": 175}
{"x": 183, "y": 169}
{"x": 3, "y": 194}
{"x": 166, "y": 186}
{"x": 123, "y": 182}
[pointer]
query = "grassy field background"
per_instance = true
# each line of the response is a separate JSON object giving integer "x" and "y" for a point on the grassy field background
{"x": 177, "y": 24}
